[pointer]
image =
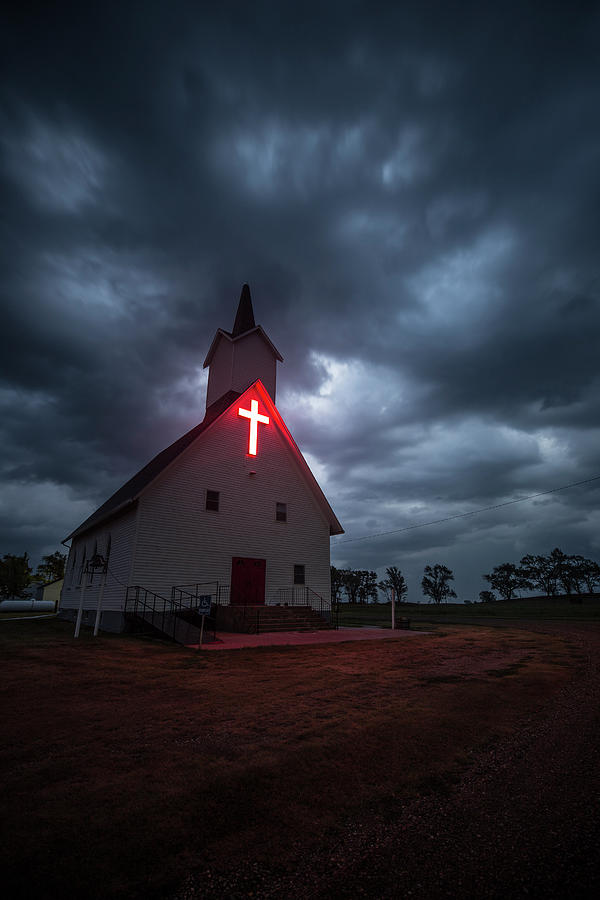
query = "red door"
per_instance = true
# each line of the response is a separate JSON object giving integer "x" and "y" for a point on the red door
{"x": 248, "y": 580}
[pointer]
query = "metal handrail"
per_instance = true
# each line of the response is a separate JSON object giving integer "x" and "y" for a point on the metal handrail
{"x": 159, "y": 612}
{"x": 219, "y": 592}
{"x": 302, "y": 595}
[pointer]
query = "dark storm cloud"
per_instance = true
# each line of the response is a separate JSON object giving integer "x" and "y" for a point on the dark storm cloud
{"x": 412, "y": 193}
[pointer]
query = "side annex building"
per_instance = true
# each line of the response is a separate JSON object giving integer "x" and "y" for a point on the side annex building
{"x": 231, "y": 507}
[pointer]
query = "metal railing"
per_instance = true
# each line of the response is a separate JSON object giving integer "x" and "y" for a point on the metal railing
{"x": 186, "y": 595}
{"x": 219, "y": 593}
{"x": 301, "y": 595}
{"x": 175, "y": 617}
{"x": 169, "y": 615}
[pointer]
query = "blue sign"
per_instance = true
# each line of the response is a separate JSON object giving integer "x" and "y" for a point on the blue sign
{"x": 204, "y": 602}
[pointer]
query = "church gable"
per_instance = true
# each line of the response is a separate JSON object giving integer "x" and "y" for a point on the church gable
{"x": 218, "y": 500}
{"x": 239, "y": 443}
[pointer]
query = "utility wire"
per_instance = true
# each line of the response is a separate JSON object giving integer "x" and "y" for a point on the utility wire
{"x": 473, "y": 512}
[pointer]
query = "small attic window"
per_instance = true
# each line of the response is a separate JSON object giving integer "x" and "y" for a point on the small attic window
{"x": 212, "y": 501}
{"x": 281, "y": 512}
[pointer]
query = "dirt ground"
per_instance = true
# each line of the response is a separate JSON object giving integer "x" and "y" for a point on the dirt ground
{"x": 462, "y": 763}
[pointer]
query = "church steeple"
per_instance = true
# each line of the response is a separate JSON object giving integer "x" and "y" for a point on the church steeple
{"x": 244, "y": 320}
{"x": 238, "y": 358}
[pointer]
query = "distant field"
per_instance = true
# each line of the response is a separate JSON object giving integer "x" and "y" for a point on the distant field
{"x": 128, "y": 764}
{"x": 540, "y": 609}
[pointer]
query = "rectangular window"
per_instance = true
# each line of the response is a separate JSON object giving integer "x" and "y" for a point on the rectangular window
{"x": 212, "y": 500}
{"x": 281, "y": 512}
{"x": 298, "y": 574}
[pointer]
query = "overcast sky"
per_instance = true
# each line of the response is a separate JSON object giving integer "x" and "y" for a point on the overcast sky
{"x": 412, "y": 193}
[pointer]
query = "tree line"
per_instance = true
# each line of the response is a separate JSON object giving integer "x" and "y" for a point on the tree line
{"x": 16, "y": 575}
{"x": 361, "y": 585}
{"x": 556, "y": 573}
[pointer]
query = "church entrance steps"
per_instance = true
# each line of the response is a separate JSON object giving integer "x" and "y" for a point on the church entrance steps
{"x": 260, "y": 619}
{"x": 177, "y": 618}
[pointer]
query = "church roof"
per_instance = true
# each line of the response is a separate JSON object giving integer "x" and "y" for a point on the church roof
{"x": 128, "y": 494}
{"x": 244, "y": 325}
{"x": 230, "y": 337}
{"x": 244, "y": 319}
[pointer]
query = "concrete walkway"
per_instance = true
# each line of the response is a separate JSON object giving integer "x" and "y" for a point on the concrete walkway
{"x": 229, "y": 641}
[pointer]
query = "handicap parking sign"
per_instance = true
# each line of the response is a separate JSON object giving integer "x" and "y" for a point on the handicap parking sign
{"x": 204, "y": 602}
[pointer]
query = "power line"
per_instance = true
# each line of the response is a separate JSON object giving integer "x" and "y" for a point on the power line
{"x": 473, "y": 512}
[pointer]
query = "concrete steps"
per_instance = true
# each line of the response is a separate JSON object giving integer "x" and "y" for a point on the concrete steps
{"x": 260, "y": 619}
{"x": 291, "y": 618}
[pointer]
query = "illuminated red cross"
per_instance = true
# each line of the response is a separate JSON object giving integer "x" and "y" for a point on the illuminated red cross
{"x": 255, "y": 417}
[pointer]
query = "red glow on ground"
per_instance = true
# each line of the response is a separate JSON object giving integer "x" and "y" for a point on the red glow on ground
{"x": 255, "y": 417}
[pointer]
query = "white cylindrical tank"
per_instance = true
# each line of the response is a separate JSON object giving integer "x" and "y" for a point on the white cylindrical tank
{"x": 26, "y": 606}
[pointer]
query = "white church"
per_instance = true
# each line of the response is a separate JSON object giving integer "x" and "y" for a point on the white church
{"x": 230, "y": 510}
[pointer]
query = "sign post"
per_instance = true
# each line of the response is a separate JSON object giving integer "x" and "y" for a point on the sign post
{"x": 203, "y": 609}
{"x": 393, "y": 609}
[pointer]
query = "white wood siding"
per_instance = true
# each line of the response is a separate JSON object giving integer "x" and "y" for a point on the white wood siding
{"x": 122, "y": 534}
{"x": 237, "y": 364}
{"x": 220, "y": 371}
{"x": 252, "y": 359}
{"x": 180, "y": 542}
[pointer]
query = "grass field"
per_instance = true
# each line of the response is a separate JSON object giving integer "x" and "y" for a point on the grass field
{"x": 127, "y": 764}
{"x": 544, "y": 608}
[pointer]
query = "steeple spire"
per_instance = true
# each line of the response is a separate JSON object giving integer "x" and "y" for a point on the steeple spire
{"x": 238, "y": 358}
{"x": 244, "y": 319}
